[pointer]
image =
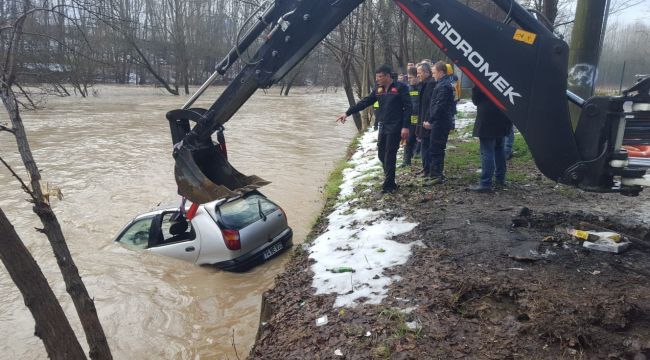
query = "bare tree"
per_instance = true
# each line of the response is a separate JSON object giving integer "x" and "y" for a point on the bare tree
{"x": 52, "y": 327}
{"x": 123, "y": 20}
{"x": 625, "y": 54}
{"x": 12, "y": 34}
{"x": 343, "y": 48}
{"x": 617, "y": 6}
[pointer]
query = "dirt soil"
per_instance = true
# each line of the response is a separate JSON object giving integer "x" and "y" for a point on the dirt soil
{"x": 465, "y": 295}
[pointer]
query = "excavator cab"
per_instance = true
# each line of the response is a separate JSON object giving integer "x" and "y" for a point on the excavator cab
{"x": 518, "y": 63}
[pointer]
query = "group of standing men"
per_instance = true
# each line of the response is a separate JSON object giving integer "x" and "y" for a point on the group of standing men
{"x": 421, "y": 112}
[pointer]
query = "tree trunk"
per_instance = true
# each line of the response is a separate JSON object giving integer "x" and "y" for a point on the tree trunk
{"x": 384, "y": 36}
{"x": 585, "y": 50}
{"x": 186, "y": 77}
{"x": 84, "y": 305}
{"x": 403, "y": 55}
{"x": 78, "y": 87}
{"x": 367, "y": 34}
{"x": 52, "y": 326}
{"x": 292, "y": 78}
{"x": 373, "y": 42}
{"x": 550, "y": 10}
{"x": 151, "y": 70}
{"x": 349, "y": 93}
{"x": 288, "y": 87}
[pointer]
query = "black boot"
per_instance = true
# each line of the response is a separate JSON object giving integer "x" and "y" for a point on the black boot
{"x": 407, "y": 159}
{"x": 436, "y": 174}
{"x": 417, "y": 150}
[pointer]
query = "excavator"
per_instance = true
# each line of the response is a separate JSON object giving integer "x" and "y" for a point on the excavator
{"x": 519, "y": 63}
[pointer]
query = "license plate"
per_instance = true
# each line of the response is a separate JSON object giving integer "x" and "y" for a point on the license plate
{"x": 272, "y": 250}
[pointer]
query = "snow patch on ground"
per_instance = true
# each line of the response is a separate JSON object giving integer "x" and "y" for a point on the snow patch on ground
{"x": 466, "y": 113}
{"x": 365, "y": 165}
{"x": 465, "y": 106}
{"x": 462, "y": 123}
{"x": 358, "y": 241}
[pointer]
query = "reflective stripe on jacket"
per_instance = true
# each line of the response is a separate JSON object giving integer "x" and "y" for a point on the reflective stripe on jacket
{"x": 414, "y": 91}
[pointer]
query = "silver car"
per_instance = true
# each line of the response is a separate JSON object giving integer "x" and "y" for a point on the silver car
{"x": 234, "y": 234}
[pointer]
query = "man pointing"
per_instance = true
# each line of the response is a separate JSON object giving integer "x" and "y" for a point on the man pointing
{"x": 393, "y": 117}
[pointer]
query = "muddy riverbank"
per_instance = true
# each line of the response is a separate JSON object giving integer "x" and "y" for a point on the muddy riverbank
{"x": 466, "y": 293}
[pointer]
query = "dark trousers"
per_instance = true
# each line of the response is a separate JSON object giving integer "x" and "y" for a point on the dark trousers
{"x": 409, "y": 148}
{"x": 387, "y": 146}
{"x": 509, "y": 141}
{"x": 493, "y": 161}
{"x": 437, "y": 146}
{"x": 424, "y": 150}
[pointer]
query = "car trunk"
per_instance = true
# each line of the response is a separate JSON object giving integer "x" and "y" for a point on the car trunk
{"x": 257, "y": 219}
{"x": 262, "y": 231}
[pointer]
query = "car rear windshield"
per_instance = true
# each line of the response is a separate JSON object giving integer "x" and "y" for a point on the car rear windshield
{"x": 242, "y": 212}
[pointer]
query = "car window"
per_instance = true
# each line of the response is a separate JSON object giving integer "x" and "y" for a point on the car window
{"x": 174, "y": 229}
{"x": 137, "y": 234}
{"x": 267, "y": 206}
{"x": 243, "y": 212}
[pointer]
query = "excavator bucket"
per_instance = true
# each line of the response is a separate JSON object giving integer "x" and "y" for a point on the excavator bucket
{"x": 203, "y": 173}
{"x": 206, "y": 175}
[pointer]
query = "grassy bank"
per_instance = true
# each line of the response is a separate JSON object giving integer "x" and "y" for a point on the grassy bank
{"x": 331, "y": 189}
{"x": 463, "y": 159}
{"x": 335, "y": 179}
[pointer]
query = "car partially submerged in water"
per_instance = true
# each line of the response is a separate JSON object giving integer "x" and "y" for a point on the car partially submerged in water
{"x": 234, "y": 234}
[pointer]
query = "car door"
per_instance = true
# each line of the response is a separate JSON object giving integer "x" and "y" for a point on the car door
{"x": 174, "y": 236}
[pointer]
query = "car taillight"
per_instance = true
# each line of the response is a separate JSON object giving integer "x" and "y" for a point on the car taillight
{"x": 231, "y": 239}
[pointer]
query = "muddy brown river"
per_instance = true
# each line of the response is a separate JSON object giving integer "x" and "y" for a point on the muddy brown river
{"x": 111, "y": 155}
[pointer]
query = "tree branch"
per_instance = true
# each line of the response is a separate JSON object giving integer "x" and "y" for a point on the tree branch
{"x": 20, "y": 180}
{"x": 4, "y": 128}
{"x": 618, "y": 6}
{"x": 27, "y": 96}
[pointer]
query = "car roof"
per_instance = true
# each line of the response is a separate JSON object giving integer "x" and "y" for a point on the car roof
{"x": 160, "y": 207}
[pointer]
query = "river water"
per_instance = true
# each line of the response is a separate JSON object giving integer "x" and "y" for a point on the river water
{"x": 111, "y": 155}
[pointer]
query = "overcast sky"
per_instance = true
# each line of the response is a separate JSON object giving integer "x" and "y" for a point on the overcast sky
{"x": 640, "y": 12}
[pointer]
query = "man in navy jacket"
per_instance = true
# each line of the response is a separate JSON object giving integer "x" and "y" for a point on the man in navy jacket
{"x": 393, "y": 117}
{"x": 440, "y": 121}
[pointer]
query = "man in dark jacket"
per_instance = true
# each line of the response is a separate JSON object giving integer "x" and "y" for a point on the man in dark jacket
{"x": 440, "y": 121}
{"x": 491, "y": 126}
{"x": 393, "y": 117}
{"x": 414, "y": 92}
{"x": 427, "y": 84}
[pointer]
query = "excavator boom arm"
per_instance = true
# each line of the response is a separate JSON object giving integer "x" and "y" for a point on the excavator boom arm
{"x": 520, "y": 65}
